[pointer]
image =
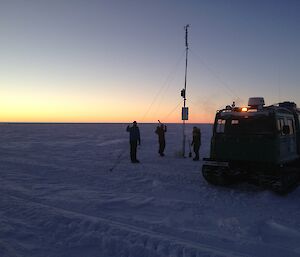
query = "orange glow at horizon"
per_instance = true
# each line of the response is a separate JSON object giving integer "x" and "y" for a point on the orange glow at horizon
{"x": 64, "y": 113}
{"x": 46, "y": 116}
{"x": 34, "y": 106}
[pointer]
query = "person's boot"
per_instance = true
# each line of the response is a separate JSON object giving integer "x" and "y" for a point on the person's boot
{"x": 196, "y": 158}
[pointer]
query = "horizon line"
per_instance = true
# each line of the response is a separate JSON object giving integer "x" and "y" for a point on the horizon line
{"x": 47, "y": 122}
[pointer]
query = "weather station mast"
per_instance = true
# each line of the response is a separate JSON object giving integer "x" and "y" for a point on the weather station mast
{"x": 185, "y": 110}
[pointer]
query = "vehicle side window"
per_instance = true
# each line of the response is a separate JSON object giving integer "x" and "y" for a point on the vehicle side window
{"x": 280, "y": 124}
{"x": 290, "y": 123}
{"x": 220, "y": 126}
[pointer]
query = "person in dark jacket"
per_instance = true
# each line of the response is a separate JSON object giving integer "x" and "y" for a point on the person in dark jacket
{"x": 160, "y": 131}
{"x": 196, "y": 142}
{"x": 134, "y": 139}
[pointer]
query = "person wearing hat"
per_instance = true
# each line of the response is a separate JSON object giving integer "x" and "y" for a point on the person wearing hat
{"x": 134, "y": 140}
{"x": 196, "y": 142}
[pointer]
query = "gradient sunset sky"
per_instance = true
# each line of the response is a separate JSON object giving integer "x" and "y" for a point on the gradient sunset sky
{"x": 123, "y": 60}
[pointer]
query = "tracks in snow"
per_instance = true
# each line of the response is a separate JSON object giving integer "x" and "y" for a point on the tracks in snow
{"x": 75, "y": 228}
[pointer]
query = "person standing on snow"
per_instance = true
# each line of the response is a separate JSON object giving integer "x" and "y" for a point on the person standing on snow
{"x": 160, "y": 131}
{"x": 196, "y": 142}
{"x": 134, "y": 139}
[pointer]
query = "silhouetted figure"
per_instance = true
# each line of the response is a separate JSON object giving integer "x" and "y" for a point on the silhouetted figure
{"x": 134, "y": 139}
{"x": 160, "y": 131}
{"x": 196, "y": 142}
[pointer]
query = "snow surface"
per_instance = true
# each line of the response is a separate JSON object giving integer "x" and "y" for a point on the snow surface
{"x": 59, "y": 197}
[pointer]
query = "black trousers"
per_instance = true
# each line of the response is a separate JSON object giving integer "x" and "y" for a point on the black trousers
{"x": 162, "y": 146}
{"x": 196, "y": 151}
{"x": 133, "y": 147}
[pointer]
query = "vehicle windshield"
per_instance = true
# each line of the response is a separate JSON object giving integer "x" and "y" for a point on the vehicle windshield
{"x": 242, "y": 125}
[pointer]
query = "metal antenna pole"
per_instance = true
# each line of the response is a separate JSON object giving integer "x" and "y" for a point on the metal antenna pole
{"x": 184, "y": 95}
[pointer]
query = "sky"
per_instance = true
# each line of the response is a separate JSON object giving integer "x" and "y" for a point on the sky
{"x": 124, "y": 60}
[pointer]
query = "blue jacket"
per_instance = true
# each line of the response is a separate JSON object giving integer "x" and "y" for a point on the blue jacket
{"x": 134, "y": 133}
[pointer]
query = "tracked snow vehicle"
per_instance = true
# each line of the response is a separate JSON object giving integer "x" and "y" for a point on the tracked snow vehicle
{"x": 256, "y": 143}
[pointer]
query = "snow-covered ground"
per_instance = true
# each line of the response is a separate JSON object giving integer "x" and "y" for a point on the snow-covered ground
{"x": 59, "y": 197}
